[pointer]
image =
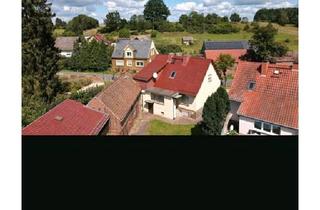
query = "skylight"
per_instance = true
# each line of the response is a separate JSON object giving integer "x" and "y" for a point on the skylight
{"x": 173, "y": 75}
{"x": 251, "y": 85}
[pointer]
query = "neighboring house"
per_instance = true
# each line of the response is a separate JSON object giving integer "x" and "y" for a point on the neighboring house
{"x": 175, "y": 86}
{"x": 213, "y": 49}
{"x": 98, "y": 38}
{"x": 132, "y": 54}
{"x": 65, "y": 45}
{"x": 69, "y": 118}
{"x": 187, "y": 40}
{"x": 121, "y": 102}
{"x": 264, "y": 98}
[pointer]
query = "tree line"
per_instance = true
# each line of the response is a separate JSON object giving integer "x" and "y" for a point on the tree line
{"x": 281, "y": 16}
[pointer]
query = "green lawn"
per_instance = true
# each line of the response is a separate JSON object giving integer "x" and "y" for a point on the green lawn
{"x": 158, "y": 127}
{"x": 284, "y": 32}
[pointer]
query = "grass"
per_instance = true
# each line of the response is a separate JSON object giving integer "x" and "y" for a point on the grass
{"x": 158, "y": 127}
{"x": 284, "y": 32}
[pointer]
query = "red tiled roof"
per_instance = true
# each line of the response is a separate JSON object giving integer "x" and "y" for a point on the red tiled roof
{"x": 119, "y": 97}
{"x": 189, "y": 73}
{"x": 235, "y": 53}
{"x": 68, "y": 118}
{"x": 275, "y": 96}
{"x": 155, "y": 66}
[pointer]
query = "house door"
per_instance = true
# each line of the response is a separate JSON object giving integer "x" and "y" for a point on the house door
{"x": 150, "y": 108}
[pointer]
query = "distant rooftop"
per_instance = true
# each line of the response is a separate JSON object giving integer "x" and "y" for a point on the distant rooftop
{"x": 225, "y": 45}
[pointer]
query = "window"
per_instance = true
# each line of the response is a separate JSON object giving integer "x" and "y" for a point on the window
{"x": 209, "y": 77}
{"x": 267, "y": 127}
{"x": 172, "y": 75}
{"x": 251, "y": 85}
{"x": 257, "y": 124}
{"x": 157, "y": 98}
{"x": 129, "y": 54}
{"x": 139, "y": 63}
{"x": 129, "y": 62}
{"x": 119, "y": 62}
{"x": 276, "y": 129}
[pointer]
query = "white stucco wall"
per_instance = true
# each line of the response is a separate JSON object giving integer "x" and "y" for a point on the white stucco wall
{"x": 246, "y": 124}
{"x": 66, "y": 54}
{"x": 207, "y": 88}
{"x": 167, "y": 109}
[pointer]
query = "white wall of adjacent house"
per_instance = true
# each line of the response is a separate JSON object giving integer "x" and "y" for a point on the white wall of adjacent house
{"x": 247, "y": 126}
{"x": 66, "y": 54}
{"x": 153, "y": 49}
{"x": 210, "y": 84}
{"x": 166, "y": 109}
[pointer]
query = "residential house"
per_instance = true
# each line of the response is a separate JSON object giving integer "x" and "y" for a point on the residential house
{"x": 175, "y": 86}
{"x": 264, "y": 98}
{"x": 98, "y": 38}
{"x": 187, "y": 40}
{"x": 65, "y": 45}
{"x": 132, "y": 54}
{"x": 69, "y": 118}
{"x": 213, "y": 49}
{"x": 121, "y": 102}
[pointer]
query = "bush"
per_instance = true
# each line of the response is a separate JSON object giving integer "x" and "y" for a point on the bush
{"x": 153, "y": 34}
{"x": 124, "y": 33}
{"x": 171, "y": 48}
{"x": 287, "y": 40}
{"x": 85, "y": 96}
{"x": 246, "y": 27}
{"x": 68, "y": 33}
{"x": 223, "y": 28}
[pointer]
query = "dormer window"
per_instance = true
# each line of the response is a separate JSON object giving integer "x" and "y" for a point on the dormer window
{"x": 172, "y": 75}
{"x": 129, "y": 54}
{"x": 251, "y": 85}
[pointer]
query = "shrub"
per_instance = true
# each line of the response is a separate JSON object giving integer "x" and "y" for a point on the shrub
{"x": 246, "y": 27}
{"x": 287, "y": 40}
{"x": 124, "y": 33}
{"x": 85, "y": 96}
{"x": 171, "y": 48}
{"x": 153, "y": 34}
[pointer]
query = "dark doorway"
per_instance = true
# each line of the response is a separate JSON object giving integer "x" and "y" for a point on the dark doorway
{"x": 150, "y": 108}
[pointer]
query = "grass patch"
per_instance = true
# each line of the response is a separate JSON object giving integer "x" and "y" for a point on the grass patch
{"x": 284, "y": 32}
{"x": 158, "y": 127}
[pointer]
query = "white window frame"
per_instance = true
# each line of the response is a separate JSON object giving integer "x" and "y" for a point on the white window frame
{"x": 139, "y": 65}
{"x": 129, "y": 62}
{"x": 126, "y": 53}
{"x": 209, "y": 78}
{"x": 262, "y": 131}
{"x": 119, "y": 62}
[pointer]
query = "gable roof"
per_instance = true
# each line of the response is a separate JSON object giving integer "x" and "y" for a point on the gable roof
{"x": 65, "y": 43}
{"x": 275, "y": 96}
{"x": 119, "y": 97}
{"x": 142, "y": 48}
{"x": 225, "y": 45}
{"x": 187, "y": 38}
{"x": 68, "y": 118}
{"x": 189, "y": 73}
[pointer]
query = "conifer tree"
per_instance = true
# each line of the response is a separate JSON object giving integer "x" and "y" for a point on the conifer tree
{"x": 39, "y": 56}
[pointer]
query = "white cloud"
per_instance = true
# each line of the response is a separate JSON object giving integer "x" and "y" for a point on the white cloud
{"x": 189, "y": 6}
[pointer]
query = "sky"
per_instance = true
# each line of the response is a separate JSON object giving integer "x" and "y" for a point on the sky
{"x": 67, "y": 9}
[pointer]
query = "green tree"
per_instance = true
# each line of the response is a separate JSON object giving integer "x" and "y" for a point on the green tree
{"x": 283, "y": 18}
{"x": 113, "y": 22}
{"x": 263, "y": 45}
{"x": 94, "y": 56}
{"x": 124, "y": 33}
{"x": 39, "y": 56}
{"x": 214, "y": 112}
{"x": 80, "y": 23}
{"x": 156, "y": 11}
{"x": 222, "y": 64}
{"x": 235, "y": 17}
{"x": 60, "y": 23}
{"x": 170, "y": 48}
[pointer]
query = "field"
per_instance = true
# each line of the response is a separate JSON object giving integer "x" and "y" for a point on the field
{"x": 158, "y": 127}
{"x": 284, "y": 32}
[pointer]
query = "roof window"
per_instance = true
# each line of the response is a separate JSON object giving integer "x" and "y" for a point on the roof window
{"x": 251, "y": 85}
{"x": 173, "y": 75}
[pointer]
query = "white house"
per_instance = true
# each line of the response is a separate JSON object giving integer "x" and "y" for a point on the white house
{"x": 175, "y": 86}
{"x": 65, "y": 45}
{"x": 264, "y": 98}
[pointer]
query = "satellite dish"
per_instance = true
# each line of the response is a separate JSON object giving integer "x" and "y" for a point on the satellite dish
{"x": 155, "y": 75}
